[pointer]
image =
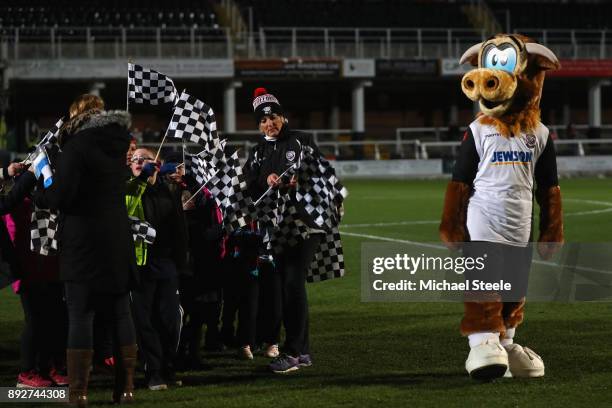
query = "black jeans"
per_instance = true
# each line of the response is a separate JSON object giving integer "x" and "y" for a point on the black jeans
{"x": 43, "y": 340}
{"x": 84, "y": 303}
{"x": 292, "y": 266}
{"x": 159, "y": 318}
{"x": 269, "y": 314}
{"x": 200, "y": 309}
{"x": 258, "y": 298}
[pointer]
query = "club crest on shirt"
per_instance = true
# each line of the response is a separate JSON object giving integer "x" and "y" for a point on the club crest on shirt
{"x": 530, "y": 140}
{"x": 290, "y": 155}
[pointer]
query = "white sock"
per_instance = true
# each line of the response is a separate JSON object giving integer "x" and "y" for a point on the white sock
{"x": 478, "y": 338}
{"x": 508, "y": 337}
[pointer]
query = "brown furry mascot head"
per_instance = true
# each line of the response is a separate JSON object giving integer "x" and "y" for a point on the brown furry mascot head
{"x": 508, "y": 81}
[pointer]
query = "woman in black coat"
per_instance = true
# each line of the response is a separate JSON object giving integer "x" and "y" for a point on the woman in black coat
{"x": 277, "y": 151}
{"x": 96, "y": 254}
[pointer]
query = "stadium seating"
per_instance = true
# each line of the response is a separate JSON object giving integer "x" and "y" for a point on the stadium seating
{"x": 554, "y": 14}
{"x": 98, "y": 13}
{"x": 355, "y": 13}
{"x": 543, "y": 14}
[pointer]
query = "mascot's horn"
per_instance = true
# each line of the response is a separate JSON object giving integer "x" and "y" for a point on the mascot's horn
{"x": 539, "y": 49}
{"x": 471, "y": 54}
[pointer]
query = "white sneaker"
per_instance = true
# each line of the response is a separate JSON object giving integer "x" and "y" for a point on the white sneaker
{"x": 524, "y": 362}
{"x": 271, "y": 351}
{"x": 245, "y": 353}
{"x": 487, "y": 361}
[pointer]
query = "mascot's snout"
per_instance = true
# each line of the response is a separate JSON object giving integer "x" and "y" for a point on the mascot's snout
{"x": 492, "y": 89}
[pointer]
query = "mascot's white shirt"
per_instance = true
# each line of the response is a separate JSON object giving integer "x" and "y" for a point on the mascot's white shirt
{"x": 500, "y": 209}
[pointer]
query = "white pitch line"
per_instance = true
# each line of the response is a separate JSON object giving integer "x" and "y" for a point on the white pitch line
{"x": 400, "y": 241}
{"x": 589, "y": 212}
{"x": 595, "y": 202}
{"x": 434, "y": 246}
{"x": 425, "y": 222}
{"x": 391, "y": 224}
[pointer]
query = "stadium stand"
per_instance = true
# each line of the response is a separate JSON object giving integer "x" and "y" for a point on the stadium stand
{"x": 360, "y": 13}
{"x": 98, "y": 13}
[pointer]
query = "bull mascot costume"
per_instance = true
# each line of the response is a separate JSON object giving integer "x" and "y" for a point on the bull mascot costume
{"x": 505, "y": 159}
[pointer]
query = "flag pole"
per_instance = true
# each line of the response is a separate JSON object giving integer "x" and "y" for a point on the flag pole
{"x": 195, "y": 194}
{"x": 166, "y": 134}
{"x": 127, "y": 96}
{"x": 272, "y": 186}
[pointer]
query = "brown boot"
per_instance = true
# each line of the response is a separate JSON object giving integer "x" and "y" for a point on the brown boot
{"x": 79, "y": 364}
{"x": 124, "y": 375}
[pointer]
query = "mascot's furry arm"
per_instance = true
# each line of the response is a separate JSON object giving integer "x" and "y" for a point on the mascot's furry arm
{"x": 548, "y": 196}
{"x": 453, "y": 230}
{"x": 452, "y": 226}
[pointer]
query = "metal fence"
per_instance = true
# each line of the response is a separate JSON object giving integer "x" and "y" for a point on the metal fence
{"x": 275, "y": 42}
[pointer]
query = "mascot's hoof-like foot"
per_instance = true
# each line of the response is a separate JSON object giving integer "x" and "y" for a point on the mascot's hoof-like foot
{"x": 524, "y": 362}
{"x": 487, "y": 361}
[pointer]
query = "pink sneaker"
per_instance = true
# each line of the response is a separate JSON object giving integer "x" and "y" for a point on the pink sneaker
{"x": 32, "y": 379}
{"x": 59, "y": 379}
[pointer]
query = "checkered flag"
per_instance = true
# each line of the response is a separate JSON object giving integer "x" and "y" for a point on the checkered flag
{"x": 43, "y": 230}
{"x": 142, "y": 230}
{"x": 321, "y": 194}
{"x": 194, "y": 121}
{"x": 329, "y": 259}
{"x": 203, "y": 166}
{"x": 197, "y": 167}
{"x": 290, "y": 229}
{"x": 148, "y": 85}
{"x": 328, "y": 262}
{"x": 229, "y": 188}
{"x": 319, "y": 191}
{"x": 266, "y": 211}
{"x": 49, "y": 138}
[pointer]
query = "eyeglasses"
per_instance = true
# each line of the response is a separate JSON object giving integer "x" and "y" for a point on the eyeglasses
{"x": 140, "y": 159}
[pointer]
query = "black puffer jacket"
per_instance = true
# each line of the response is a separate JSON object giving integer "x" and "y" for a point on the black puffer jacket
{"x": 163, "y": 209}
{"x": 88, "y": 189}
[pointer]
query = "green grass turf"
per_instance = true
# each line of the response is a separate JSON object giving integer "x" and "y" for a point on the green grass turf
{"x": 400, "y": 354}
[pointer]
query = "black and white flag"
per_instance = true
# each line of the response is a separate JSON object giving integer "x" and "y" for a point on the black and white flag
{"x": 147, "y": 85}
{"x": 319, "y": 190}
{"x": 43, "y": 230}
{"x": 228, "y": 187}
{"x": 194, "y": 121}
{"x": 142, "y": 230}
{"x": 320, "y": 194}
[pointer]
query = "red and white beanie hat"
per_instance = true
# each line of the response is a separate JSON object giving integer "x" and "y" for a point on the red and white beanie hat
{"x": 265, "y": 103}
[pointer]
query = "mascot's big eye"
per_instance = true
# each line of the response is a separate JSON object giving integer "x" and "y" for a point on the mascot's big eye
{"x": 504, "y": 59}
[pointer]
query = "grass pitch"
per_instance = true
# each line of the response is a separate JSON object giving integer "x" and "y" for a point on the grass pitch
{"x": 399, "y": 354}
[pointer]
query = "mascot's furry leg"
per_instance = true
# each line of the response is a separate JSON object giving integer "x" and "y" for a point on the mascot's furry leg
{"x": 483, "y": 320}
{"x": 483, "y": 323}
{"x": 523, "y": 361}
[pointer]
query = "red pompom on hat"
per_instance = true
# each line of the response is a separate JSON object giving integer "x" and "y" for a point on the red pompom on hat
{"x": 259, "y": 91}
{"x": 265, "y": 104}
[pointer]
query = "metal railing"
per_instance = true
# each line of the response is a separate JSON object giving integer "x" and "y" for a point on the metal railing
{"x": 411, "y": 149}
{"x": 276, "y": 42}
{"x": 415, "y": 149}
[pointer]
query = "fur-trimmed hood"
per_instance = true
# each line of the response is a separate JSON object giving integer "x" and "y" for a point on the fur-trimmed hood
{"x": 97, "y": 119}
{"x": 104, "y": 131}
